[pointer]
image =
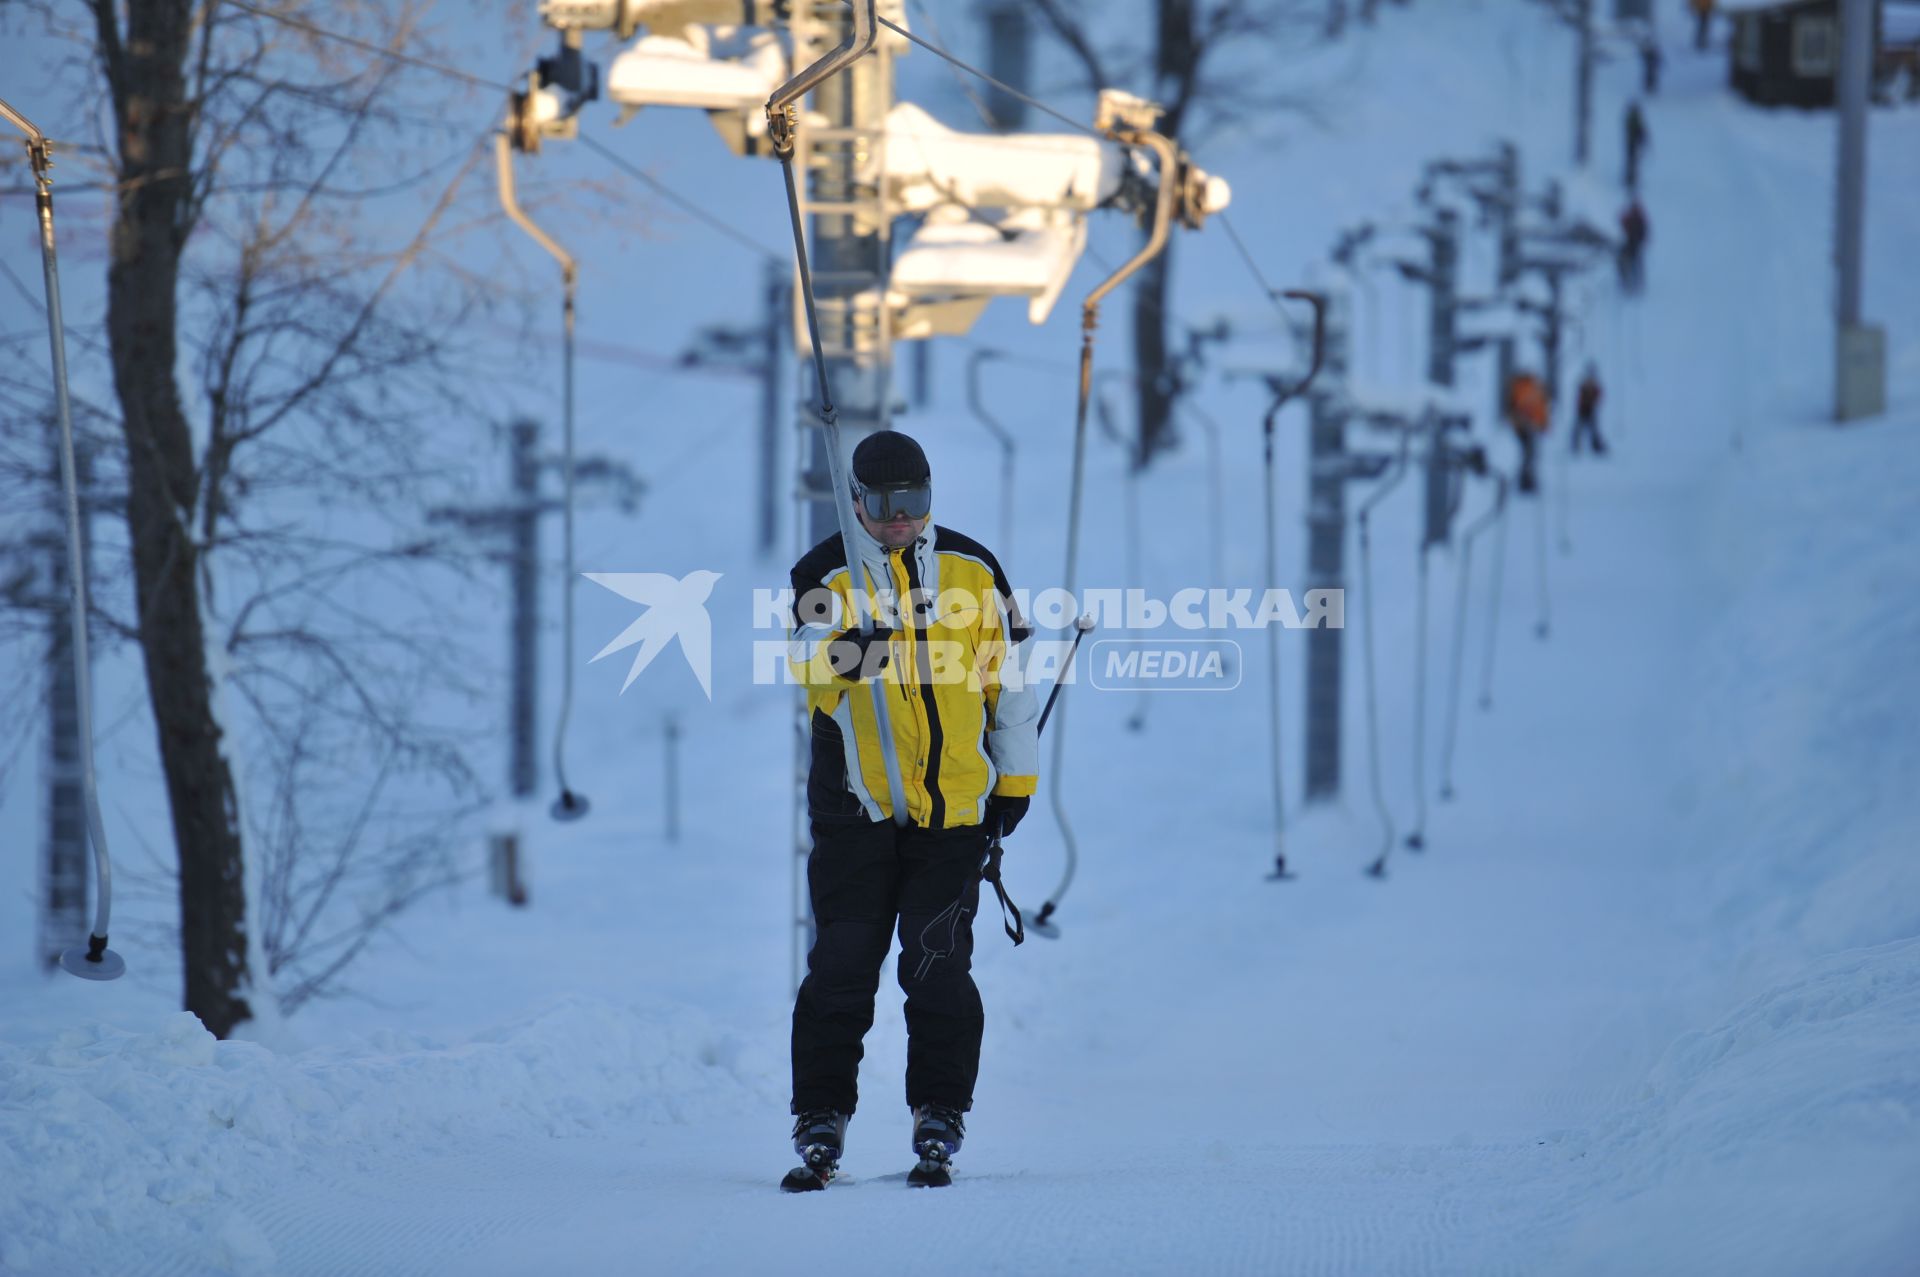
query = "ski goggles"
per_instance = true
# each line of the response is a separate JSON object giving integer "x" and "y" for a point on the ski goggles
{"x": 883, "y": 505}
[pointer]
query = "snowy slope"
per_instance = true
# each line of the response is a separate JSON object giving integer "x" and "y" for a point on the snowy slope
{"x": 1648, "y": 1003}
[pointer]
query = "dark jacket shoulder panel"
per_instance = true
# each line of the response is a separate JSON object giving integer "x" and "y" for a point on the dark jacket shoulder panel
{"x": 946, "y": 540}
{"x": 817, "y": 564}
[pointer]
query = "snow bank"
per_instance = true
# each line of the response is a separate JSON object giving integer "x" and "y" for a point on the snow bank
{"x": 1807, "y": 689}
{"x": 107, "y": 1135}
{"x": 1782, "y": 1140}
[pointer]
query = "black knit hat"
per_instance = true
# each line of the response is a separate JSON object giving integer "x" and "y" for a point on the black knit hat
{"x": 889, "y": 459}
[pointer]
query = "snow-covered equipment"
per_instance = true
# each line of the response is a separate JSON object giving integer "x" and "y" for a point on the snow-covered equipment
{"x": 532, "y": 116}
{"x": 1002, "y": 215}
{"x": 96, "y": 961}
{"x": 726, "y": 72}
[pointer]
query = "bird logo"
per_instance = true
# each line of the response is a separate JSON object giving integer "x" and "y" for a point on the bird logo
{"x": 676, "y": 607}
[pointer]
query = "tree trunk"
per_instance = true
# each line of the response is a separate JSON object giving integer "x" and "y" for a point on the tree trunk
{"x": 154, "y": 213}
{"x": 1155, "y": 386}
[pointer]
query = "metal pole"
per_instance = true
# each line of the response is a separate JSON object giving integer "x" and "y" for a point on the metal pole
{"x": 96, "y": 961}
{"x": 1009, "y": 59}
{"x": 1417, "y": 836}
{"x": 1326, "y": 559}
{"x": 1443, "y": 298}
{"x": 1860, "y": 362}
{"x": 1509, "y": 214}
{"x": 63, "y": 882}
{"x": 1552, "y": 340}
{"x": 772, "y": 327}
{"x": 1165, "y": 202}
{"x": 1464, "y": 570}
{"x": 850, "y": 252}
{"x": 1856, "y": 53}
{"x": 673, "y": 779}
{"x": 569, "y": 805}
{"x": 1273, "y": 659}
{"x": 837, "y": 96}
{"x": 1583, "y": 91}
{"x": 524, "y": 768}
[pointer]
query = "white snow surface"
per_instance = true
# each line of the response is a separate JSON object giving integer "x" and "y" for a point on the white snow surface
{"x": 1649, "y": 1002}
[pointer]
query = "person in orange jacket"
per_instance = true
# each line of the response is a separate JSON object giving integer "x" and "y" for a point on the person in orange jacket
{"x": 1529, "y": 412}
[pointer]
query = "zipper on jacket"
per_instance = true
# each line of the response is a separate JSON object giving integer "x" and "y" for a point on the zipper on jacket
{"x": 923, "y": 672}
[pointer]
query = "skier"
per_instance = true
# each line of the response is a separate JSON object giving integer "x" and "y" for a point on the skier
{"x": 1528, "y": 413}
{"x": 1586, "y": 418}
{"x": 1702, "y": 22}
{"x": 1650, "y": 59}
{"x": 967, "y": 746}
{"x": 1637, "y": 139}
{"x": 1634, "y": 233}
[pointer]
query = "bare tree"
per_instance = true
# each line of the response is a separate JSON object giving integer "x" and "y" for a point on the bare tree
{"x": 278, "y": 320}
{"x": 1209, "y": 67}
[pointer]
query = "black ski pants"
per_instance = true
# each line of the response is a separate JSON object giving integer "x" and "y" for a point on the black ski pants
{"x": 1587, "y": 426}
{"x": 866, "y": 879}
{"x": 1529, "y": 457}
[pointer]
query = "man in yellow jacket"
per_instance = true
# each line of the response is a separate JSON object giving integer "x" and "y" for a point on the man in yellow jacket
{"x": 964, "y": 731}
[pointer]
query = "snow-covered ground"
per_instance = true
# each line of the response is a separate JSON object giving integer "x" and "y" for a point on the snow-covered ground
{"x": 1649, "y": 1001}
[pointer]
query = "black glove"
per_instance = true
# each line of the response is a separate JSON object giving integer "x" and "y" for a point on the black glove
{"x": 1006, "y": 812}
{"x": 847, "y": 652}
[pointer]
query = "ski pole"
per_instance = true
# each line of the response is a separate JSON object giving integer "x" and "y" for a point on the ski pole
{"x": 990, "y": 862}
{"x": 1081, "y": 628}
{"x": 96, "y": 961}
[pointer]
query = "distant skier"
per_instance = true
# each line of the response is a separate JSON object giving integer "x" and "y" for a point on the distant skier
{"x": 968, "y": 754}
{"x": 1528, "y": 413}
{"x": 1702, "y": 22}
{"x": 1650, "y": 60}
{"x": 1634, "y": 233}
{"x": 1637, "y": 138}
{"x": 1586, "y": 417}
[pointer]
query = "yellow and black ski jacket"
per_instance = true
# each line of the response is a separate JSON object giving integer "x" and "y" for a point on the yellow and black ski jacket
{"x": 964, "y": 724}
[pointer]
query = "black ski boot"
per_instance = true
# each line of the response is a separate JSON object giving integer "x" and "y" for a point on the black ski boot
{"x": 937, "y": 1133}
{"x": 818, "y": 1136}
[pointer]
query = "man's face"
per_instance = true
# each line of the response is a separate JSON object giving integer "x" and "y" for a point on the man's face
{"x": 895, "y": 532}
